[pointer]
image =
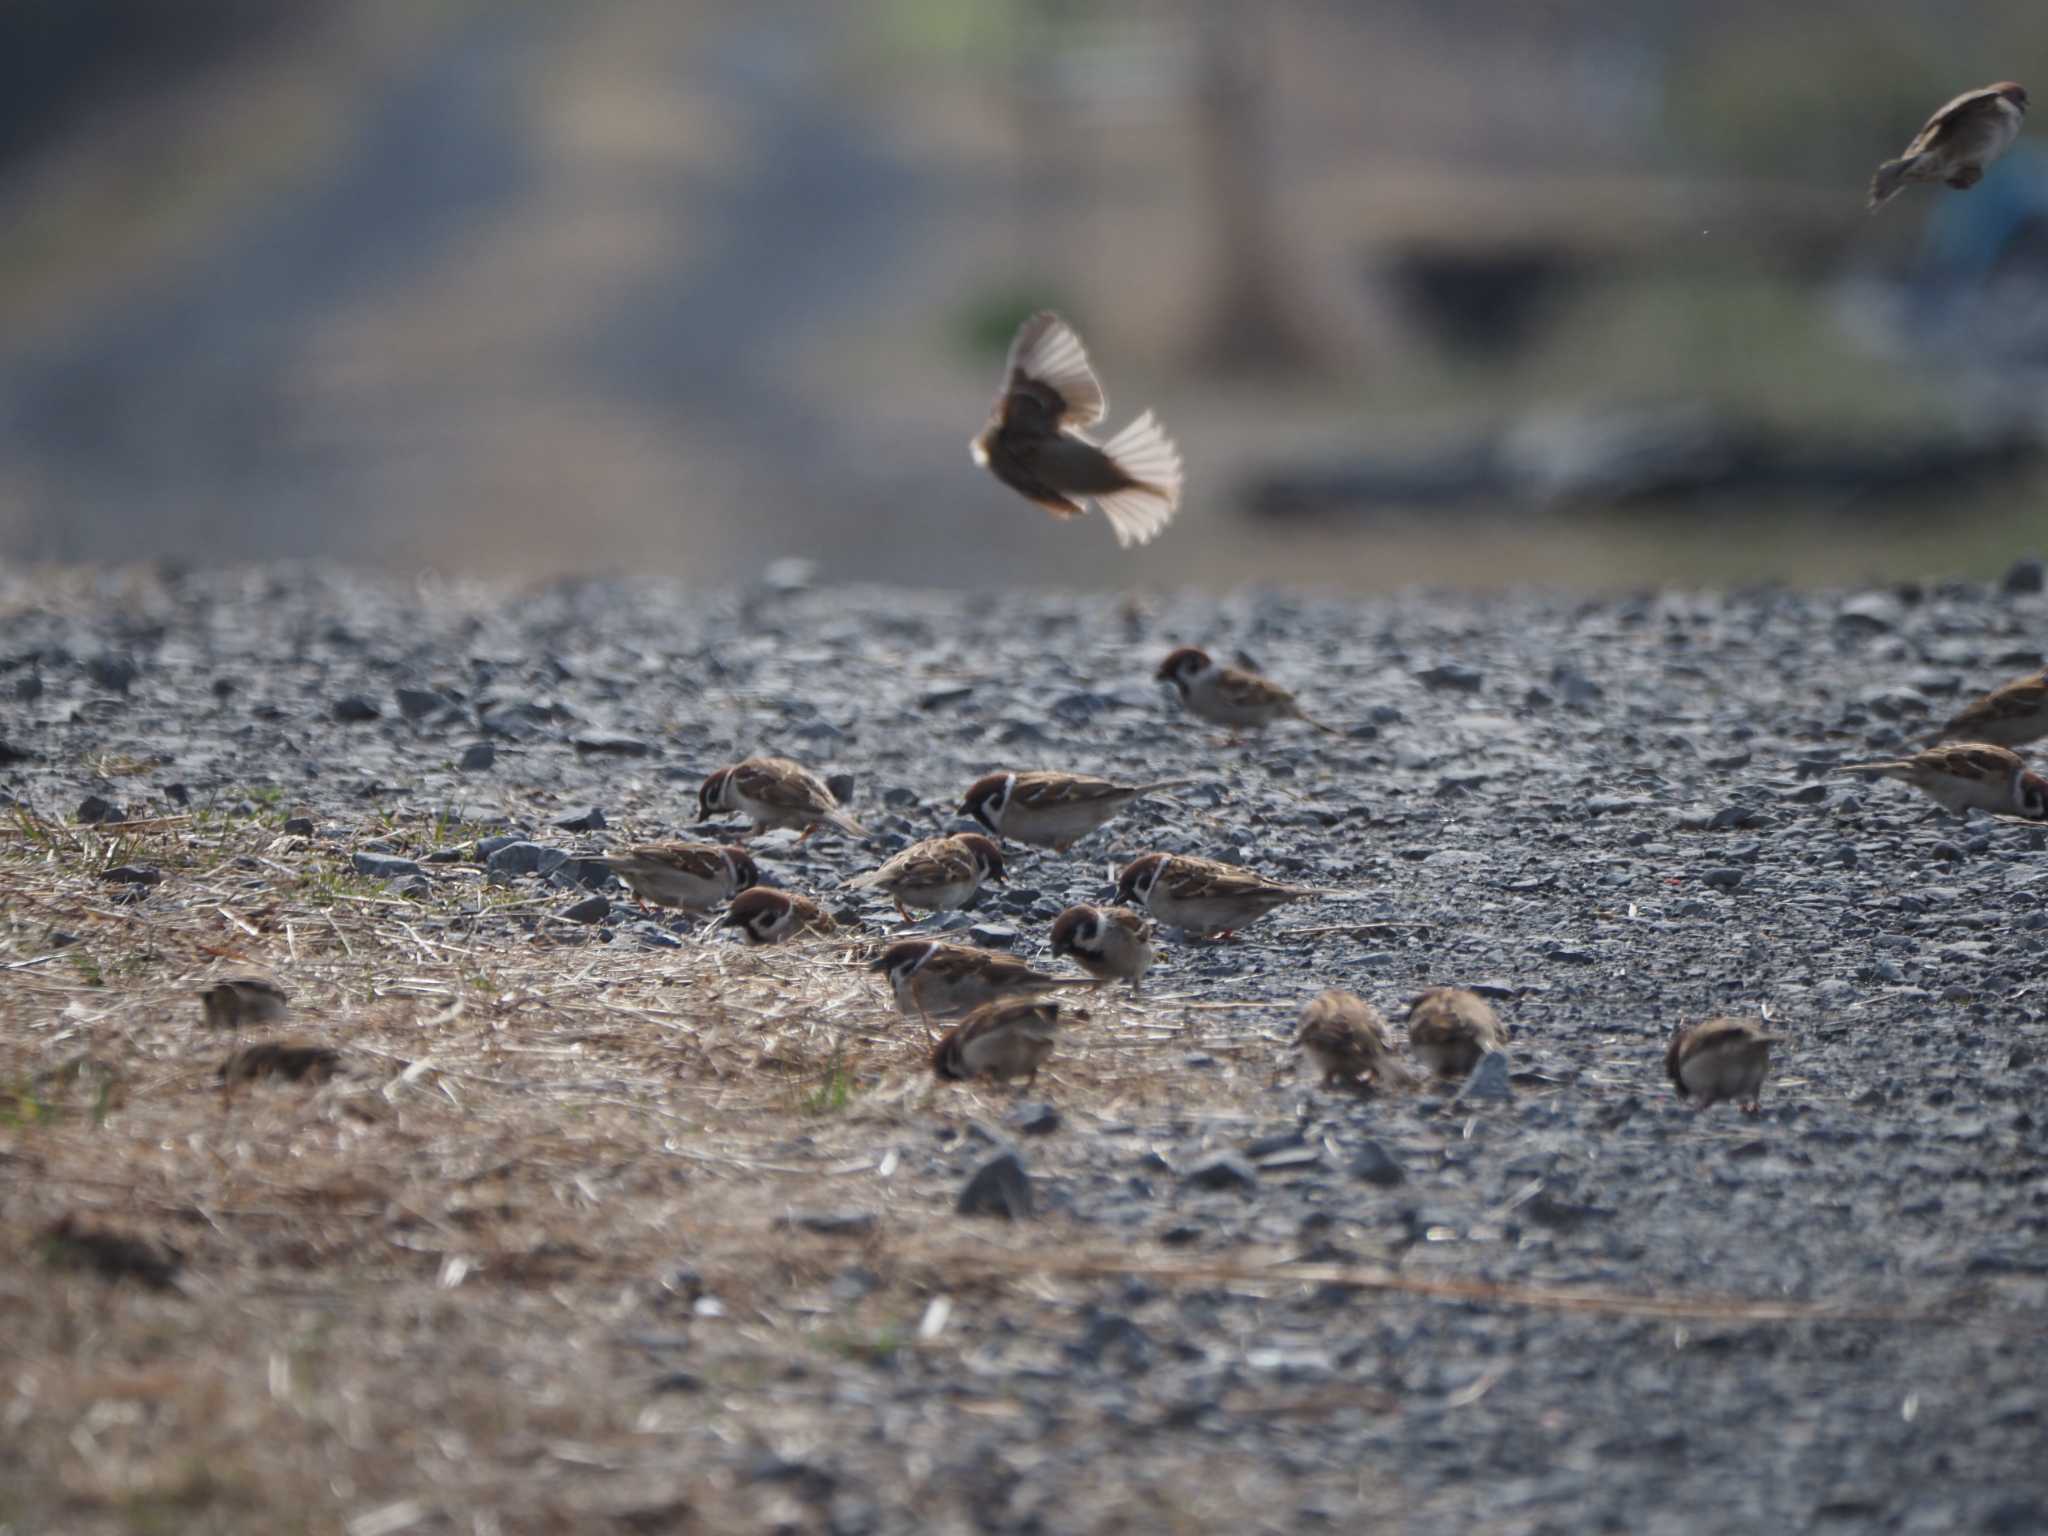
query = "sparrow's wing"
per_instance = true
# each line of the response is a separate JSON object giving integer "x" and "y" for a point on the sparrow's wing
{"x": 1251, "y": 691}
{"x": 1049, "y": 791}
{"x": 1953, "y": 116}
{"x": 1971, "y": 760}
{"x": 783, "y": 784}
{"x": 1046, "y": 353}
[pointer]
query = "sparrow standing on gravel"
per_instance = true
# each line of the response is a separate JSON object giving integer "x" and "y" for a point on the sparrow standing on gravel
{"x": 241, "y": 1001}
{"x": 693, "y": 876}
{"x": 1968, "y": 776}
{"x": 1721, "y": 1059}
{"x": 1957, "y": 143}
{"x": 774, "y": 792}
{"x": 1450, "y": 1029}
{"x": 1109, "y": 943}
{"x": 1230, "y": 696}
{"x": 1034, "y": 442}
{"x": 1050, "y": 810}
{"x": 1203, "y": 896}
{"x": 1002, "y": 1040}
{"x": 940, "y": 874}
{"x": 929, "y": 977}
{"x": 2010, "y": 715}
{"x": 1347, "y": 1040}
{"x": 768, "y": 916}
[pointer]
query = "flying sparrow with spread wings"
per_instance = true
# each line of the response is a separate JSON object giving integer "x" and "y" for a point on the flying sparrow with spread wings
{"x": 1109, "y": 943}
{"x": 1050, "y": 810}
{"x": 1004, "y": 1039}
{"x": 774, "y": 792}
{"x": 940, "y": 874}
{"x": 1957, "y": 143}
{"x": 1204, "y": 896}
{"x": 1230, "y": 696}
{"x": 1034, "y": 440}
{"x": 2010, "y": 715}
{"x": 768, "y": 916}
{"x": 1450, "y": 1029}
{"x": 693, "y": 876}
{"x": 1347, "y": 1040}
{"x": 1967, "y": 776}
{"x": 1721, "y": 1059}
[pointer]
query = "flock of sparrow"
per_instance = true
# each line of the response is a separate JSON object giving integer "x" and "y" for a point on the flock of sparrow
{"x": 1036, "y": 442}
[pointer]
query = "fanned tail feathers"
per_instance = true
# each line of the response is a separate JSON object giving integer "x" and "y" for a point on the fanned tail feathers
{"x": 1890, "y": 178}
{"x": 1147, "y": 455}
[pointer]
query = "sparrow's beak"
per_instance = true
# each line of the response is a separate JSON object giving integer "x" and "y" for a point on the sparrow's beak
{"x": 730, "y": 920}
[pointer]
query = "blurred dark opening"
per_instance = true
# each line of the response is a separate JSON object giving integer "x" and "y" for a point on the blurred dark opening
{"x": 1483, "y": 302}
{"x": 61, "y": 59}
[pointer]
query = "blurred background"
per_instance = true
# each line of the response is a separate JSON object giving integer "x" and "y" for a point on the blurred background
{"x": 1465, "y": 292}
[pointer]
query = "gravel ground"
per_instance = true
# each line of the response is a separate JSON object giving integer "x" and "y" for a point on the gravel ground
{"x": 1246, "y": 1302}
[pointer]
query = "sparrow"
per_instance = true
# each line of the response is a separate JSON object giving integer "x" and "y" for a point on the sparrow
{"x": 1721, "y": 1059}
{"x": 1451, "y": 1029}
{"x": 1966, "y": 776}
{"x": 774, "y": 792}
{"x": 939, "y": 874}
{"x": 295, "y": 1060}
{"x": 2010, "y": 715}
{"x": 695, "y": 876}
{"x": 69, "y": 1244}
{"x": 1957, "y": 143}
{"x": 1347, "y": 1040}
{"x": 1035, "y": 445}
{"x": 931, "y": 977}
{"x": 1051, "y": 810}
{"x": 1008, "y": 1038}
{"x": 244, "y": 1000}
{"x": 768, "y": 916}
{"x": 1202, "y": 896}
{"x": 1230, "y": 696}
{"x": 1109, "y": 943}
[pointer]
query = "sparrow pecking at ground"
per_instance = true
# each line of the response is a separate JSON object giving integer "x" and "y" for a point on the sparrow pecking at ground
{"x": 693, "y": 876}
{"x": 1203, "y": 896}
{"x": 1004, "y": 1039}
{"x": 1034, "y": 441}
{"x": 1109, "y": 943}
{"x": 767, "y": 916}
{"x": 940, "y": 874}
{"x": 1347, "y": 1040}
{"x": 1957, "y": 143}
{"x": 774, "y": 792}
{"x": 1967, "y": 776}
{"x": 2010, "y": 715}
{"x": 929, "y": 977}
{"x": 1048, "y": 809}
{"x": 1230, "y": 696}
{"x": 1721, "y": 1059}
{"x": 1450, "y": 1029}
{"x": 289, "y": 1060}
{"x": 244, "y": 1001}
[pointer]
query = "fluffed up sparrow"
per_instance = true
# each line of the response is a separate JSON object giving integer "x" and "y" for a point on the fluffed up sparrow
{"x": 1002, "y": 1040}
{"x": 1048, "y": 809}
{"x": 1721, "y": 1059}
{"x": 939, "y": 874}
{"x": 768, "y": 916}
{"x": 694, "y": 876}
{"x": 1450, "y": 1029}
{"x": 1966, "y": 776}
{"x": 2010, "y": 715}
{"x": 1203, "y": 896}
{"x": 1957, "y": 143}
{"x": 1109, "y": 943}
{"x": 931, "y": 977}
{"x": 1034, "y": 442}
{"x": 242, "y": 1001}
{"x": 774, "y": 792}
{"x": 1347, "y": 1040}
{"x": 1230, "y": 696}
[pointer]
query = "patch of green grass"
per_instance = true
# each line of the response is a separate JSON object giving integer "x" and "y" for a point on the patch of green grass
{"x": 21, "y": 1107}
{"x": 878, "y": 1349}
{"x": 832, "y": 1093}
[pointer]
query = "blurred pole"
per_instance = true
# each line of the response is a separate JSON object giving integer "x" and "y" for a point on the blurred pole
{"x": 1251, "y": 328}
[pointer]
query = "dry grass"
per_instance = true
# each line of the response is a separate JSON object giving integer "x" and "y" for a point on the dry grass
{"x": 523, "y": 1264}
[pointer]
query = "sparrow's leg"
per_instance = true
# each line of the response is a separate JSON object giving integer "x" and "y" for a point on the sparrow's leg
{"x": 1753, "y": 1107}
{"x": 904, "y": 912}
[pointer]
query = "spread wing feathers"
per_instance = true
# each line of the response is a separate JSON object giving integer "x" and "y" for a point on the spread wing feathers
{"x": 1147, "y": 456}
{"x": 1047, "y": 351}
{"x": 1948, "y": 116}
